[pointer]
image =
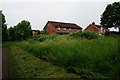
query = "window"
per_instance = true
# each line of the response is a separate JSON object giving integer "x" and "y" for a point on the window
{"x": 58, "y": 29}
{"x": 74, "y": 29}
{"x": 64, "y": 29}
{"x": 70, "y": 29}
{"x": 101, "y": 29}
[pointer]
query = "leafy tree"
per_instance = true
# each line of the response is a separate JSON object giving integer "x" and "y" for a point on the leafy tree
{"x": 20, "y": 32}
{"x": 111, "y": 16}
{"x": 23, "y": 30}
{"x": 11, "y": 34}
{"x": 4, "y": 27}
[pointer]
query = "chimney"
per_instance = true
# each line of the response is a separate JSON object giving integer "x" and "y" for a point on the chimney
{"x": 93, "y": 23}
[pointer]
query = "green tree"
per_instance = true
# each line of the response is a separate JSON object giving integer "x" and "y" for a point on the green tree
{"x": 111, "y": 16}
{"x": 11, "y": 34}
{"x": 23, "y": 30}
{"x": 4, "y": 27}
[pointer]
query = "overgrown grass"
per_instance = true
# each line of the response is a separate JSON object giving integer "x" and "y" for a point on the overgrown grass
{"x": 23, "y": 65}
{"x": 42, "y": 37}
{"x": 97, "y": 58}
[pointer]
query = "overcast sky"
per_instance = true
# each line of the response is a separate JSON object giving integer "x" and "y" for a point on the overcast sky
{"x": 80, "y": 12}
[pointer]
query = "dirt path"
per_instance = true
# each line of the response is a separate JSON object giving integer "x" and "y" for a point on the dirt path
{"x": 0, "y": 61}
{"x": 4, "y": 63}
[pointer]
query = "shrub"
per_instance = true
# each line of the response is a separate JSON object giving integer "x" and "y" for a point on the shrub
{"x": 85, "y": 35}
{"x": 42, "y": 37}
{"x": 112, "y": 34}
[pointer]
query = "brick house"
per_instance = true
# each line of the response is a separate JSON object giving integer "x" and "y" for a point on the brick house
{"x": 53, "y": 27}
{"x": 96, "y": 28}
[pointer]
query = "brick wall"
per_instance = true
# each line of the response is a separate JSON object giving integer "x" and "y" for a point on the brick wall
{"x": 50, "y": 29}
{"x": 67, "y": 30}
{"x": 92, "y": 28}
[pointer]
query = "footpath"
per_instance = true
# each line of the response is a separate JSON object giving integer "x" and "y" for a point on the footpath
{"x": 24, "y": 65}
{"x": 4, "y": 63}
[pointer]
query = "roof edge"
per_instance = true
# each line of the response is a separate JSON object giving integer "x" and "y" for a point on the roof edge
{"x": 62, "y": 22}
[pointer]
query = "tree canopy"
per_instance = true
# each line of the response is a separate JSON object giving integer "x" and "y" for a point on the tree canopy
{"x": 20, "y": 32}
{"x": 111, "y": 16}
{"x": 23, "y": 29}
{"x": 4, "y": 26}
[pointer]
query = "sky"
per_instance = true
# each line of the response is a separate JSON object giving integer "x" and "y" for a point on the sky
{"x": 38, "y": 12}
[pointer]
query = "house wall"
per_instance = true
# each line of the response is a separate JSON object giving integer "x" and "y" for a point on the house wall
{"x": 67, "y": 30}
{"x": 103, "y": 30}
{"x": 50, "y": 29}
{"x": 92, "y": 28}
{"x": 35, "y": 32}
{"x": 95, "y": 29}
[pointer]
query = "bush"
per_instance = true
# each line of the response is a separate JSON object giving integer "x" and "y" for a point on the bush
{"x": 85, "y": 35}
{"x": 42, "y": 37}
{"x": 112, "y": 34}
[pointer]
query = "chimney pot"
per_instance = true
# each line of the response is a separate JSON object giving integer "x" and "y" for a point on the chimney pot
{"x": 93, "y": 23}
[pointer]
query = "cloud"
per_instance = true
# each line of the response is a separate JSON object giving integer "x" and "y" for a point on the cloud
{"x": 38, "y": 13}
{"x": 59, "y": 0}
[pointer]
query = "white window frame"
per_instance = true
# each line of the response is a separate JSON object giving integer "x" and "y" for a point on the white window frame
{"x": 58, "y": 28}
{"x": 64, "y": 29}
{"x": 70, "y": 29}
{"x": 101, "y": 29}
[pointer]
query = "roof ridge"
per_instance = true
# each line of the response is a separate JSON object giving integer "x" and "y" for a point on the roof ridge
{"x": 62, "y": 22}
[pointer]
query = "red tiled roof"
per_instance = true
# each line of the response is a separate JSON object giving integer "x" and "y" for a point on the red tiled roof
{"x": 64, "y": 25}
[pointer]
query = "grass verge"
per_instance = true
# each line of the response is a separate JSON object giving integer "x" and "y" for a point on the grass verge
{"x": 24, "y": 65}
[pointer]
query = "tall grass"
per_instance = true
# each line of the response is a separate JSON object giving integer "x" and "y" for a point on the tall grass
{"x": 94, "y": 58}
